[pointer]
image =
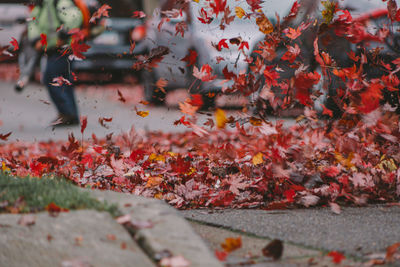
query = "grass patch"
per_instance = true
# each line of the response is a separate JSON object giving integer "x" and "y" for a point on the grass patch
{"x": 21, "y": 195}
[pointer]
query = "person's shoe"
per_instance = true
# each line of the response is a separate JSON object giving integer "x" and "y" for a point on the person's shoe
{"x": 64, "y": 121}
{"x": 19, "y": 86}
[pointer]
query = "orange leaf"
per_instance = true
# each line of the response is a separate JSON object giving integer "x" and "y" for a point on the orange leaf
{"x": 161, "y": 83}
{"x": 52, "y": 207}
{"x": 265, "y": 26}
{"x": 258, "y": 158}
{"x": 154, "y": 181}
{"x": 390, "y": 251}
{"x": 239, "y": 12}
{"x": 142, "y": 113}
{"x": 232, "y": 244}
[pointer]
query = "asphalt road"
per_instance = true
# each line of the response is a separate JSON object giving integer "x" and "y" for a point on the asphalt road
{"x": 356, "y": 231}
{"x": 28, "y": 115}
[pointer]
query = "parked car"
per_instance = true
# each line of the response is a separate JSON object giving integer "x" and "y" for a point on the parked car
{"x": 110, "y": 51}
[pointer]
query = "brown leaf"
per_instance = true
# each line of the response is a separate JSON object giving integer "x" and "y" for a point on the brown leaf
{"x": 4, "y": 137}
{"x": 274, "y": 249}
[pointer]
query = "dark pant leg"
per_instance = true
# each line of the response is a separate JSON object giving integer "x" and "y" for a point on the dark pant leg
{"x": 62, "y": 96}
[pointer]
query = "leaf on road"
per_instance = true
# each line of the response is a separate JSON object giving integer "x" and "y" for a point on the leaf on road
{"x": 336, "y": 256}
{"x": 274, "y": 249}
{"x": 231, "y": 244}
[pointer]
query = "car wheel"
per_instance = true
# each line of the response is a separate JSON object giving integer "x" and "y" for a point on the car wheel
{"x": 151, "y": 93}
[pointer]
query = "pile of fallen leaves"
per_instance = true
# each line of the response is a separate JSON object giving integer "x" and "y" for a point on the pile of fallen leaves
{"x": 354, "y": 160}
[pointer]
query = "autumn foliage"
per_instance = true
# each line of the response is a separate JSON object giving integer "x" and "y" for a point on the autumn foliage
{"x": 250, "y": 162}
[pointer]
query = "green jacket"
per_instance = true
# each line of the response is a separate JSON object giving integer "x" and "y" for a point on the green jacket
{"x": 48, "y": 17}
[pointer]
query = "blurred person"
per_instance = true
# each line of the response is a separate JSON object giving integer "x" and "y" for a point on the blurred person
{"x": 51, "y": 20}
{"x": 27, "y": 59}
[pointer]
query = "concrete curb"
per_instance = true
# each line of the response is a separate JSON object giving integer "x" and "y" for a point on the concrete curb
{"x": 160, "y": 229}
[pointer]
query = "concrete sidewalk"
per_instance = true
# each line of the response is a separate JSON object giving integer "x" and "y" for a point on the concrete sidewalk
{"x": 147, "y": 234}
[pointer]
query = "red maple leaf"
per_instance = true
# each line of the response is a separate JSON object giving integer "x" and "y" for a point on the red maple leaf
{"x": 337, "y": 257}
{"x": 14, "y": 43}
{"x": 190, "y": 58}
{"x": 271, "y": 76}
{"x": 102, "y": 11}
{"x": 371, "y": 97}
{"x": 223, "y": 199}
{"x": 138, "y": 14}
{"x": 326, "y": 111}
{"x": 290, "y": 194}
{"x": 243, "y": 45}
{"x": 221, "y": 255}
{"x": 228, "y": 74}
{"x": 181, "y": 27}
{"x": 255, "y": 4}
{"x": 78, "y": 48}
{"x": 292, "y": 33}
{"x": 132, "y": 47}
{"x": 204, "y": 18}
{"x": 196, "y": 100}
{"x": 83, "y": 123}
{"x": 137, "y": 154}
{"x": 218, "y": 6}
{"x": 54, "y": 208}
{"x": 222, "y": 43}
{"x": 37, "y": 168}
{"x": 43, "y": 40}
{"x": 180, "y": 166}
{"x": 303, "y": 83}
{"x": 292, "y": 53}
{"x": 204, "y": 73}
{"x": 294, "y": 10}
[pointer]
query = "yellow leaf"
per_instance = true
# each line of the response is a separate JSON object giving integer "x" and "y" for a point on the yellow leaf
{"x": 220, "y": 117}
{"x": 196, "y": 1}
{"x": 142, "y": 113}
{"x": 4, "y": 168}
{"x": 158, "y": 195}
{"x": 329, "y": 10}
{"x": 346, "y": 162}
{"x": 239, "y": 12}
{"x": 258, "y": 158}
{"x": 155, "y": 157}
